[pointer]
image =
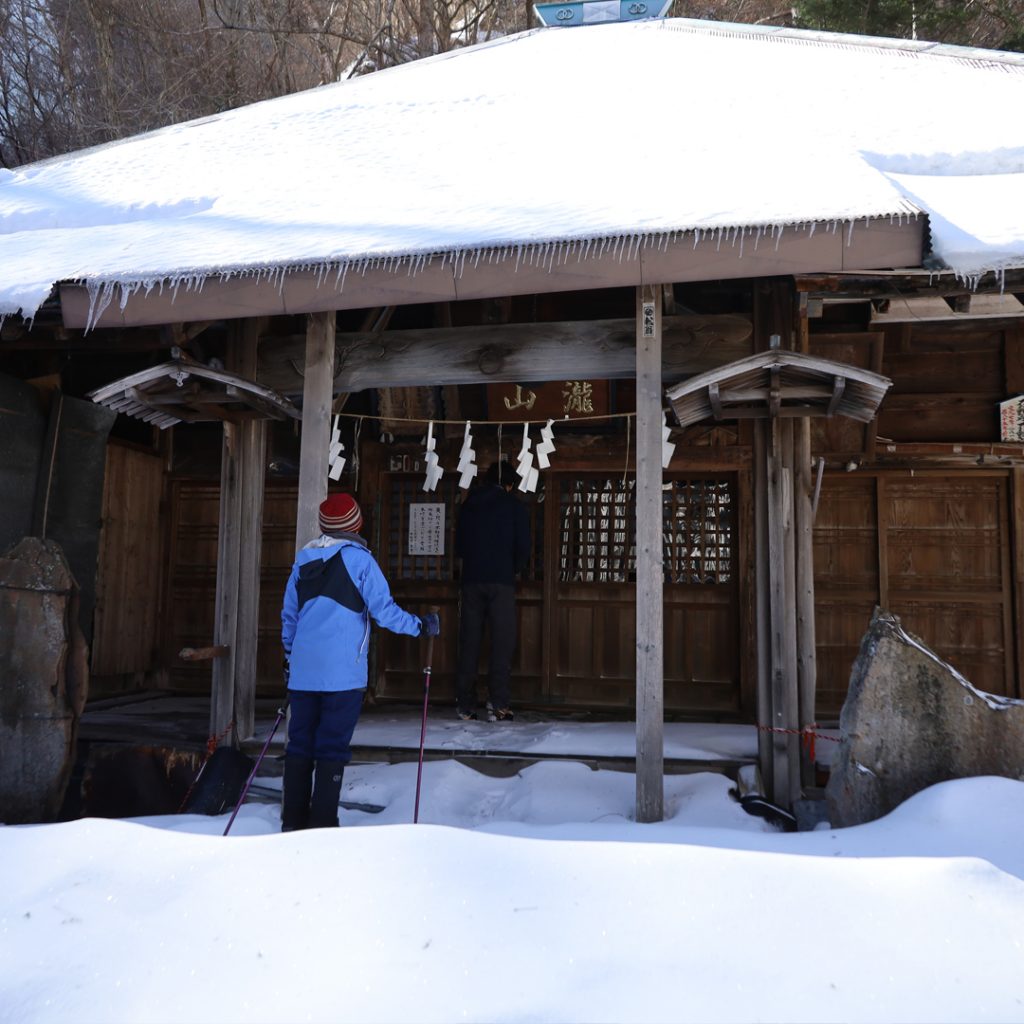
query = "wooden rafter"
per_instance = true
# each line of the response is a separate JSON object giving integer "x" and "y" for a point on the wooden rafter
{"x": 183, "y": 390}
{"x": 779, "y": 384}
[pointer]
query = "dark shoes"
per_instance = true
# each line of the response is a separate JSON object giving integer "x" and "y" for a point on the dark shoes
{"x": 298, "y": 785}
{"x": 308, "y": 801}
{"x": 499, "y": 715}
{"x": 323, "y": 807}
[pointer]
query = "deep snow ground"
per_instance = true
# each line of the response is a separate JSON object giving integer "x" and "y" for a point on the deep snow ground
{"x": 530, "y": 898}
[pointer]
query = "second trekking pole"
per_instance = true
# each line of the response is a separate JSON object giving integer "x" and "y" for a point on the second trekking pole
{"x": 423, "y": 725}
{"x": 252, "y": 775}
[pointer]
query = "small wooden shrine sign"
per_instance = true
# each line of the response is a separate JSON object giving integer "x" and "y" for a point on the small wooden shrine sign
{"x": 556, "y": 400}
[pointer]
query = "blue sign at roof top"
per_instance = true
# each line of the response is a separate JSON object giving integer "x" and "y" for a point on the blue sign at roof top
{"x": 594, "y": 12}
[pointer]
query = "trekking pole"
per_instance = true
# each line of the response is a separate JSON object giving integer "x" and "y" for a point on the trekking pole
{"x": 255, "y": 768}
{"x": 423, "y": 726}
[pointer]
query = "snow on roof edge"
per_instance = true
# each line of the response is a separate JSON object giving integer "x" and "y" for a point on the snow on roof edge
{"x": 972, "y": 55}
{"x": 548, "y": 253}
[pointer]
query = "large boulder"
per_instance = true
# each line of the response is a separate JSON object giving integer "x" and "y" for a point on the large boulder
{"x": 911, "y": 720}
{"x": 43, "y": 679}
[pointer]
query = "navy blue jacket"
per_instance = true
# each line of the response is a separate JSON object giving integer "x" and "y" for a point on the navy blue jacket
{"x": 492, "y": 536}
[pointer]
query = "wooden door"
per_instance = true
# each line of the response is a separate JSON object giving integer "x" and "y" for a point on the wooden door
{"x": 192, "y": 578}
{"x": 419, "y": 581}
{"x": 131, "y": 560}
{"x": 591, "y": 605}
{"x": 576, "y": 606}
{"x": 935, "y": 549}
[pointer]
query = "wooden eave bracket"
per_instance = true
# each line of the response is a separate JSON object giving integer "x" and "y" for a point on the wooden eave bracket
{"x": 184, "y": 390}
{"x": 779, "y": 383}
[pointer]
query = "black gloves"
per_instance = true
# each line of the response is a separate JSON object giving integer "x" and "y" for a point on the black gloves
{"x": 430, "y": 624}
{"x": 286, "y": 669}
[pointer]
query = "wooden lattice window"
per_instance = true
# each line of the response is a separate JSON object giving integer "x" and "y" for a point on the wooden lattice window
{"x": 597, "y": 534}
{"x": 699, "y": 523}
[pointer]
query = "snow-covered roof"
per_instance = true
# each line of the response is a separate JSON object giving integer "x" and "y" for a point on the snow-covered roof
{"x": 639, "y": 130}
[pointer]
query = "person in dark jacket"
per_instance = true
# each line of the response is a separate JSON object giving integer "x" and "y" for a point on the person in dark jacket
{"x": 334, "y": 589}
{"x": 492, "y": 537}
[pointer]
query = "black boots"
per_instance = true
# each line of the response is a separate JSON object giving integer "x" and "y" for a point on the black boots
{"x": 323, "y": 810}
{"x": 298, "y": 784}
{"x": 309, "y": 804}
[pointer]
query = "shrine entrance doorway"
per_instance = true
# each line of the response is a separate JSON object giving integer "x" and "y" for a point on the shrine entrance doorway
{"x": 576, "y": 604}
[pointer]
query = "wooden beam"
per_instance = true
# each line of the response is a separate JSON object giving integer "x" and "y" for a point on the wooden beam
{"x": 511, "y": 352}
{"x": 317, "y": 394}
{"x": 202, "y": 653}
{"x": 838, "y": 387}
{"x": 899, "y": 284}
{"x": 649, "y": 560}
{"x": 515, "y": 270}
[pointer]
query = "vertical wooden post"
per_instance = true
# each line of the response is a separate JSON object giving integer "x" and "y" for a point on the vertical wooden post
{"x": 254, "y": 447}
{"x": 239, "y": 544}
{"x": 777, "y": 511}
{"x": 806, "y": 664}
{"x": 317, "y": 391}
{"x": 790, "y": 692}
{"x": 649, "y": 560}
{"x": 222, "y": 698}
{"x": 763, "y": 603}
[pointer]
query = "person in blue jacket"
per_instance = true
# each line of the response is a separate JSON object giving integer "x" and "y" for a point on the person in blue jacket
{"x": 334, "y": 589}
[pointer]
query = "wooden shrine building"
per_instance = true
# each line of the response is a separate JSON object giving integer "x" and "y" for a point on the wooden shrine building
{"x": 759, "y": 436}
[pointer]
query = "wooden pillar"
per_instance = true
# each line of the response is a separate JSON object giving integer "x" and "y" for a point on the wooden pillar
{"x": 649, "y": 560}
{"x": 806, "y": 664}
{"x": 317, "y": 396}
{"x": 776, "y": 477}
{"x": 239, "y": 544}
{"x": 762, "y": 602}
{"x": 790, "y": 790}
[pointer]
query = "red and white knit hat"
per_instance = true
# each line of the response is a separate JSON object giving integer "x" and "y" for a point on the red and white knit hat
{"x": 339, "y": 513}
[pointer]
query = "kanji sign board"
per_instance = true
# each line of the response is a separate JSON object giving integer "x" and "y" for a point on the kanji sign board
{"x": 426, "y": 528}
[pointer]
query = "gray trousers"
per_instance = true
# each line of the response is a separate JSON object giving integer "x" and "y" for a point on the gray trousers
{"x": 495, "y": 605}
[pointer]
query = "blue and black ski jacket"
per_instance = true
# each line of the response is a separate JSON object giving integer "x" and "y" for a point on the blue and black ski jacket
{"x": 334, "y": 589}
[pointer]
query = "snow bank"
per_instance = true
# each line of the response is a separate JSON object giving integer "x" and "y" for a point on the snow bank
{"x": 114, "y": 921}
